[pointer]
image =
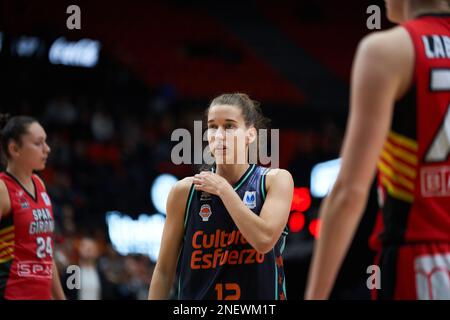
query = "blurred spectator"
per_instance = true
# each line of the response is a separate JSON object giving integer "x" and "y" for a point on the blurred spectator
{"x": 138, "y": 271}
{"x": 67, "y": 220}
{"x": 60, "y": 111}
{"x": 94, "y": 283}
{"x": 102, "y": 126}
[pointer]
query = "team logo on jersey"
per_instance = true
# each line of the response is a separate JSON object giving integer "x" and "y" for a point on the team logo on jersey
{"x": 250, "y": 199}
{"x": 46, "y": 199}
{"x": 22, "y": 200}
{"x": 205, "y": 212}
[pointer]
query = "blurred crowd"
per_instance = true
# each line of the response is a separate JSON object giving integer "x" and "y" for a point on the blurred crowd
{"x": 110, "y": 126}
{"x": 103, "y": 273}
{"x": 110, "y": 138}
{"x": 102, "y": 159}
{"x": 105, "y": 156}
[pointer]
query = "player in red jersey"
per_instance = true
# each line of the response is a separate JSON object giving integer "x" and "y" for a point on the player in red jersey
{"x": 399, "y": 123}
{"x": 27, "y": 269}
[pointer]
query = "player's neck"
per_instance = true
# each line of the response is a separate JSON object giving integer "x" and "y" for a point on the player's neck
{"x": 232, "y": 172}
{"x": 415, "y": 9}
{"x": 22, "y": 175}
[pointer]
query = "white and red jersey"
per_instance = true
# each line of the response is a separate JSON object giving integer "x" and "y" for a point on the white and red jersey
{"x": 26, "y": 242}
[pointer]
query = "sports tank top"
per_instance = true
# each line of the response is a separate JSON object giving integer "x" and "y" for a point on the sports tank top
{"x": 26, "y": 243}
{"x": 216, "y": 261}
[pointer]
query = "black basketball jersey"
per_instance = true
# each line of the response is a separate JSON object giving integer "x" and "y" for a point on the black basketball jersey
{"x": 216, "y": 261}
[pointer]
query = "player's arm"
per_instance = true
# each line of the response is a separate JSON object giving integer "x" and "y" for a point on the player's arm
{"x": 5, "y": 202}
{"x": 172, "y": 237}
{"x": 382, "y": 72}
{"x": 262, "y": 231}
{"x": 57, "y": 290}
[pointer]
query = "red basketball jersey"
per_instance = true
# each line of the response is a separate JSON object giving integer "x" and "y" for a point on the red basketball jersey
{"x": 414, "y": 166}
{"x": 26, "y": 243}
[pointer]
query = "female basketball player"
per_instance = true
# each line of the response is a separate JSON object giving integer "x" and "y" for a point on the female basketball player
{"x": 399, "y": 122}
{"x": 226, "y": 226}
{"x": 27, "y": 269}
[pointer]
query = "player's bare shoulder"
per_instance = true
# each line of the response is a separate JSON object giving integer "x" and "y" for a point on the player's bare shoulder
{"x": 178, "y": 196}
{"x": 184, "y": 185}
{"x": 277, "y": 176}
{"x": 392, "y": 46}
{"x": 387, "y": 55}
{"x": 5, "y": 204}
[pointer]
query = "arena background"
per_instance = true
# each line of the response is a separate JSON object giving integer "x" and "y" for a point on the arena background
{"x": 110, "y": 95}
